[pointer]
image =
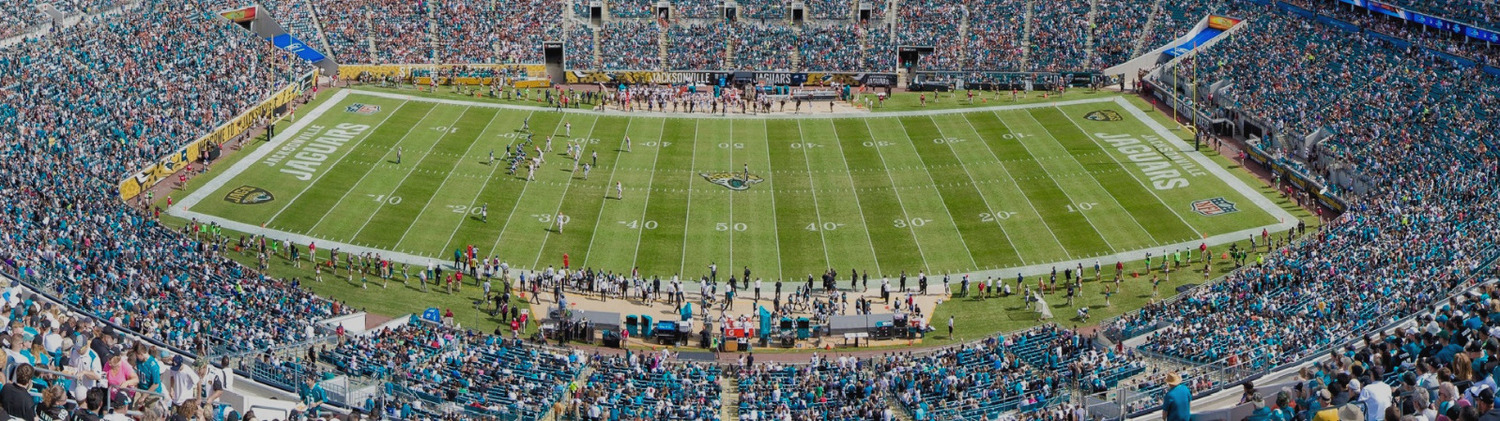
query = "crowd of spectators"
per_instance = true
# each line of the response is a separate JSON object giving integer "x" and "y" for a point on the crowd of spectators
{"x": 648, "y": 386}
{"x": 630, "y": 45}
{"x": 697, "y": 46}
{"x": 85, "y": 107}
{"x": 631, "y": 9}
{"x": 696, "y": 9}
{"x": 510, "y": 32}
{"x": 832, "y": 47}
{"x": 880, "y": 55}
{"x": 934, "y": 23}
{"x": 845, "y": 389}
{"x": 763, "y": 10}
{"x": 978, "y": 380}
{"x": 1059, "y": 29}
{"x": 995, "y": 33}
{"x": 830, "y": 9}
{"x": 297, "y": 17}
{"x": 763, "y": 47}
{"x": 398, "y": 30}
{"x": 1407, "y": 234}
{"x": 578, "y": 49}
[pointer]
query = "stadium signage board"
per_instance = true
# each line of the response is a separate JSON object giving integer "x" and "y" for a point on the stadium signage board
{"x": 243, "y": 14}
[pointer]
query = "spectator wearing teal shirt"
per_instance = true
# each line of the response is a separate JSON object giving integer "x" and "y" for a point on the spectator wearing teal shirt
{"x": 1177, "y": 404}
{"x": 313, "y": 395}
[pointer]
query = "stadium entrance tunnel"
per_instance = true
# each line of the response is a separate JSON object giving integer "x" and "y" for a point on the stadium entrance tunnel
{"x": 553, "y": 52}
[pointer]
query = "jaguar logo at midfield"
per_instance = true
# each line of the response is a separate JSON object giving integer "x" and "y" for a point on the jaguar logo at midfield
{"x": 732, "y": 180}
{"x": 1103, "y": 115}
{"x": 248, "y": 195}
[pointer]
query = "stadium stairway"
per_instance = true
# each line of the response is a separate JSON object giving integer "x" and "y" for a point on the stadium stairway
{"x": 901, "y": 414}
{"x": 796, "y": 53}
{"x": 1146, "y": 32}
{"x": 661, "y": 42}
{"x": 370, "y": 39}
{"x": 1088, "y": 41}
{"x": 432, "y": 43}
{"x": 729, "y": 400}
{"x": 1026, "y": 35}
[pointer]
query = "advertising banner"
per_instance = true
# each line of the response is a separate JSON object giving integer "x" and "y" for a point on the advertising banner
{"x": 1222, "y": 22}
{"x": 725, "y": 78}
{"x": 243, "y": 14}
{"x": 1388, "y": 9}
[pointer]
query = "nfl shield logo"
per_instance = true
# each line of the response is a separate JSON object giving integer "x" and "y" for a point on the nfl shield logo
{"x": 366, "y": 109}
{"x": 1214, "y": 206}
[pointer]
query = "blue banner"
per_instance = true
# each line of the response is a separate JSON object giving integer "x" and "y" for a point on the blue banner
{"x": 296, "y": 46}
{"x": 1493, "y": 71}
{"x": 1360, "y": 3}
{"x": 1437, "y": 22}
{"x": 1198, "y": 39}
{"x": 1400, "y": 43}
{"x": 1346, "y": 26}
{"x": 1482, "y": 34}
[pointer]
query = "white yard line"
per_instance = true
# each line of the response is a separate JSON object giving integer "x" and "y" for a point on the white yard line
{"x": 1144, "y": 184}
{"x": 275, "y": 143}
{"x": 986, "y": 200}
{"x": 1149, "y": 235}
{"x": 605, "y": 199}
{"x": 731, "y": 199}
{"x": 1286, "y": 218}
{"x": 733, "y": 116}
{"x": 839, "y": 146}
{"x": 1070, "y": 156}
{"x": 409, "y": 172}
{"x": 1052, "y": 179}
{"x": 687, "y": 213}
{"x": 814, "y": 188}
{"x": 904, "y": 214}
{"x": 635, "y": 257}
{"x": 367, "y": 173}
{"x": 771, "y": 187}
{"x": 930, "y": 179}
{"x": 447, "y": 177}
{"x": 269, "y": 148}
{"x": 547, "y": 235}
{"x": 493, "y": 168}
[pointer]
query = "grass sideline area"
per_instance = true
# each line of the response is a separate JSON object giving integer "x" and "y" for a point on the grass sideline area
{"x": 974, "y": 319}
{"x": 898, "y": 102}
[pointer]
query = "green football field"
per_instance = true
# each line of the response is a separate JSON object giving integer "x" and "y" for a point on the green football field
{"x": 1005, "y": 189}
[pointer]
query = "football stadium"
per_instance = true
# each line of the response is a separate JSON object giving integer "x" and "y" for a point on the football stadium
{"x": 804, "y": 210}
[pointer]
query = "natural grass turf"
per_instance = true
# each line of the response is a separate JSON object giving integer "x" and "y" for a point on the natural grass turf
{"x": 846, "y": 196}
